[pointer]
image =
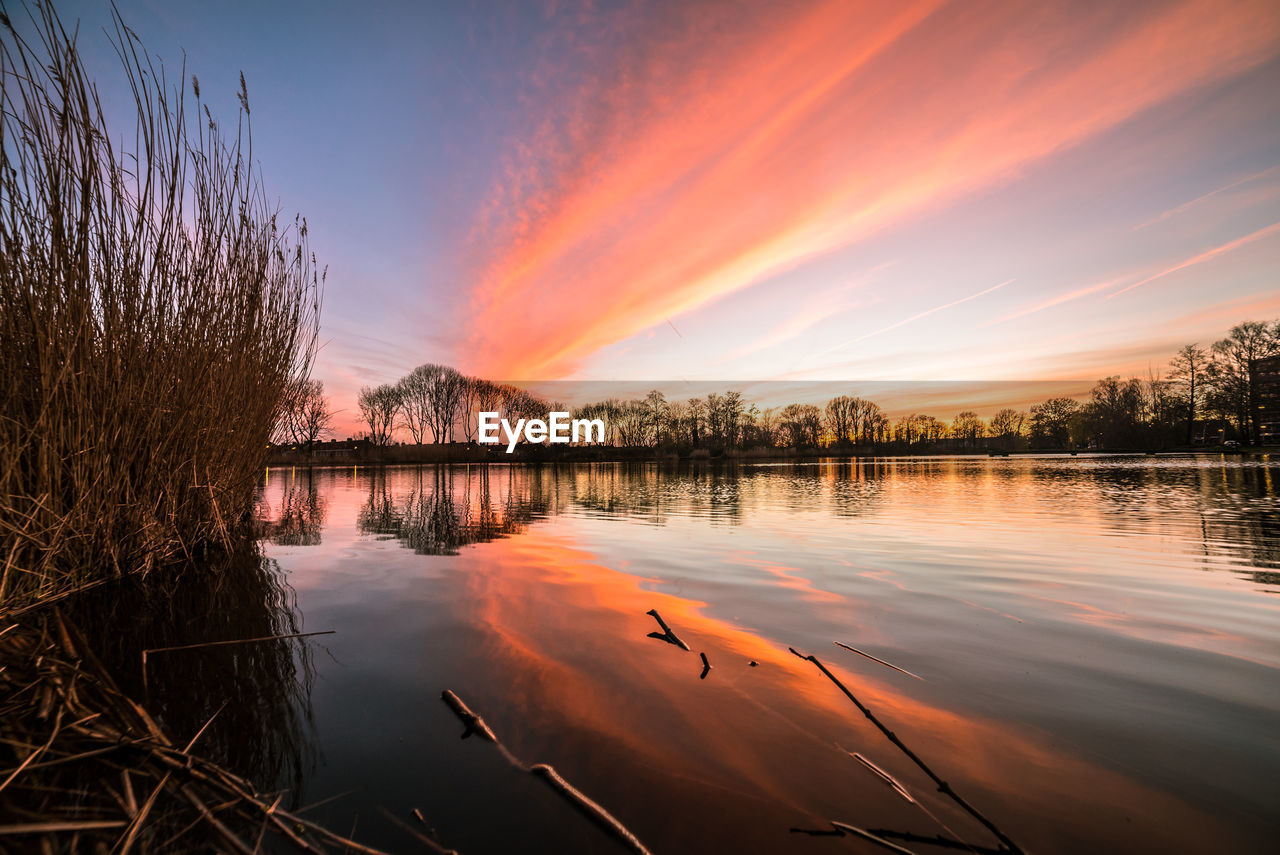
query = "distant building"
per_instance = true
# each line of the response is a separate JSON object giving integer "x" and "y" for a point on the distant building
{"x": 1266, "y": 385}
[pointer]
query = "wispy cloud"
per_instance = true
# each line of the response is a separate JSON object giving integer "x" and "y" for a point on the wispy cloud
{"x": 1187, "y": 206}
{"x": 1057, "y": 300}
{"x": 1201, "y": 258}
{"x": 807, "y": 311}
{"x": 928, "y": 312}
{"x": 729, "y": 145}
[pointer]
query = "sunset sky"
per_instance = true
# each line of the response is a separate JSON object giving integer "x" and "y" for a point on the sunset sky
{"x": 727, "y": 191}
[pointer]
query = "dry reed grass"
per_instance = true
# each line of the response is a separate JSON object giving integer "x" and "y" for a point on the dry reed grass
{"x": 153, "y": 312}
{"x": 83, "y": 767}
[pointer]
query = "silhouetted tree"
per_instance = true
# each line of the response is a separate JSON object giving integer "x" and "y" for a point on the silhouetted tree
{"x": 1188, "y": 370}
{"x": 378, "y": 407}
{"x": 842, "y": 418}
{"x": 967, "y": 427}
{"x": 656, "y": 412}
{"x": 307, "y": 417}
{"x": 488, "y": 396}
{"x": 873, "y": 424}
{"x": 802, "y": 424}
{"x": 446, "y": 401}
{"x": 1007, "y": 426}
{"x": 415, "y": 400}
{"x": 1232, "y": 375}
{"x": 1051, "y": 422}
{"x": 469, "y": 389}
{"x": 1115, "y": 412}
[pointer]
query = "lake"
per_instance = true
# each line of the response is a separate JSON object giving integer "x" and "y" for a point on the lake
{"x": 1093, "y": 647}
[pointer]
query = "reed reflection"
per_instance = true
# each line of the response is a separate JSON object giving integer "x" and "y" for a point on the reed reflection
{"x": 259, "y": 691}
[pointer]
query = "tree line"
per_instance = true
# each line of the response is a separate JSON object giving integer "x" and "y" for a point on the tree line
{"x": 1211, "y": 387}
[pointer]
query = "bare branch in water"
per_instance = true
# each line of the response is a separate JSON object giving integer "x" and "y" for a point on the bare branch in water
{"x": 668, "y": 634}
{"x": 877, "y": 659}
{"x": 571, "y": 794}
{"x": 943, "y": 786}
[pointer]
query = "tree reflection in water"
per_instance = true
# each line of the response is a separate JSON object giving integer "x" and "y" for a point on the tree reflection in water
{"x": 446, "y": 509}
{"x": 299, "y": 518}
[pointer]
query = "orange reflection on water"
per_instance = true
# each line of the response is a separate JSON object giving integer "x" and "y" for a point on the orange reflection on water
{"x": 760, "y": 748}
{"x": 1094, "y": 637}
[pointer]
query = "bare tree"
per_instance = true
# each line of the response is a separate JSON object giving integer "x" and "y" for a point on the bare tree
{"x": 1189, "y": 369}
{"x": 1006, "y": 425}
{"x": 606, "y": 411}
{"x": 1115, "y": 413}
{"x": 631, "y": 419}
{"x": 842, "y": 417}
{"x": 415, "y": 400}
{"x": 431, "y": 400}
{"x": 872, "y": 423}
{"x": 306, "y": 417}
{"x": 378, "y": 407}
{"x": 1051, "y": 422}
{"x": 767, "y": 427}
{"x": 469, "y": 395}
{"x": 967, "y": 427}
{"x": 802, "y": 424}
{"x": 1232, "y": 372}
{"x": 446, "y": 398}
{"x": 697, "y": 420}
{"x": 488, "y": 396}
{"x": 657, "y": 412}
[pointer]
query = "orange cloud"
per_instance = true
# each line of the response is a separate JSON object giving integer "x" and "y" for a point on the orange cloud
{"x": 734, "y": 146}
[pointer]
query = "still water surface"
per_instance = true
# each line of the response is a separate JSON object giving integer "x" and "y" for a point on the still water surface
{"x": 1098, "y": 642}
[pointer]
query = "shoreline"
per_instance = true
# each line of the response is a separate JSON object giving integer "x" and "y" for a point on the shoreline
{"x": 422, "y": 455}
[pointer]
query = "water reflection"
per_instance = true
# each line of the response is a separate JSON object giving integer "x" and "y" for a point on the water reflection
{"x": 1099, "y": 642}
{"x": 438, "y": 511}
{"x": 261, "y": 692}
{"x": 299, "y": 518}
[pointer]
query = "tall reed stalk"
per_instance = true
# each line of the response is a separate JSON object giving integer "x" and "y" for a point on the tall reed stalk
{"x": 153, "y": 311}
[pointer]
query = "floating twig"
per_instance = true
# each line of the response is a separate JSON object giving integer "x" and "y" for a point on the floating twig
{"x": 876, "y": 659}
{"x": 901, "y": 789}
{"x": 574, "y": 796}
{"x": 47, "y": 827}
{"x": 870, "y": 838}
{"x": 892, "y": 782}
{"x": 943, "y": 786}
{"x": 421, "y": 837}
{"x": 936, "y": 840}
{"x": 475, "y": 724}
{"x": 148, "y": 652}
{"x": 593, "y": 810}
{"x": 668, "y": 634}
{"x": 818, "y": 832}
{"x": 840, "y": 829}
